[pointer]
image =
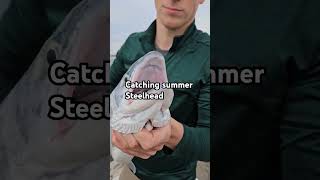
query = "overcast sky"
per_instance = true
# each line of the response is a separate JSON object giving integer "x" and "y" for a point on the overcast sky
{"x": 128, "y": 16}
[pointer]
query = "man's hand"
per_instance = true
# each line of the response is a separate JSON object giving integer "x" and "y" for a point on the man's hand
{"x": 169, "y": 135}
{"x": 156, "y": 138}
{"x": 145, "y": 143}
{"x": 129, "y": 145}
{"x": 176, "y": 135}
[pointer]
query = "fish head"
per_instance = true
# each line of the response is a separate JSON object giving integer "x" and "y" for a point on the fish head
{"x": 150, "y": 68}
{"x": 131, "y": 115}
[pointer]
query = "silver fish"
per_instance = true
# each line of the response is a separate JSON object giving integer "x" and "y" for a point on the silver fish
{"x": 131, "y": 115}
{"x": 35, "y": 147}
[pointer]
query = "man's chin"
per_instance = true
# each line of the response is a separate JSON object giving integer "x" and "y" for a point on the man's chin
{"x": 173, "y": 24}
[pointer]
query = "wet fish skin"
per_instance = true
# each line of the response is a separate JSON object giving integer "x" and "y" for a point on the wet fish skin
{"x": 130, "y": 116}
{"x": 25, "y": 126}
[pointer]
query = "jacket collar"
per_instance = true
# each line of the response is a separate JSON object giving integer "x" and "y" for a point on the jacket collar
{"x": 148, "y": 37}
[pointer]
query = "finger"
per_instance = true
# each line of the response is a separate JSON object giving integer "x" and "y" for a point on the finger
{"x": 158, "y": 148}
{"x": 145, "y": 139}
{"x": 141, "y": 153}
{"x": 162, "y": 134}
{"x": 144, "y": 157}
{"x": 135, "y": 148}
{"x": 152, "y": 152}
{"x": 138, "y": 154}
{"x": 131, "y": 141}
{"x": 118, "y": 140}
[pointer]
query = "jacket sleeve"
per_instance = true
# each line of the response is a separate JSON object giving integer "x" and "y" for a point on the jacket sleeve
{"x": 22, "y": 32}
{"x": 300, "y": 129}
{"x": 195, "y": 143}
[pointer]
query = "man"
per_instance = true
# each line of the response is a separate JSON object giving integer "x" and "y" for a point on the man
{"x": 171, "y": 152}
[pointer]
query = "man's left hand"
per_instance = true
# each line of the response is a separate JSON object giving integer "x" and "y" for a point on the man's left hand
{"x": 157, "y": 137}
{"x": 169, "y": 135}
{"x": 147, "y": 142}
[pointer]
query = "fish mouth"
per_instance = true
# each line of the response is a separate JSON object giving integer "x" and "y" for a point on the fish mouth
{"x": 153, "y": 71}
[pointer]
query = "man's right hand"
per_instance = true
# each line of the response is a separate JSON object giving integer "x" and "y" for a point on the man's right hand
{"x": 128, "y": 144}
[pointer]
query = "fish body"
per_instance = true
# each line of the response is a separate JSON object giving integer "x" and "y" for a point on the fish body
{"x": 131, "y": 115}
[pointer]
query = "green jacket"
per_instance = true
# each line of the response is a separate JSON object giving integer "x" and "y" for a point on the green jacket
{"x": 186, "y": 61}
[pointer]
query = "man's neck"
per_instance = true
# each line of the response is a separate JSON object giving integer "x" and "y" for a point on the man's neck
{"x": 164, "y": 36}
